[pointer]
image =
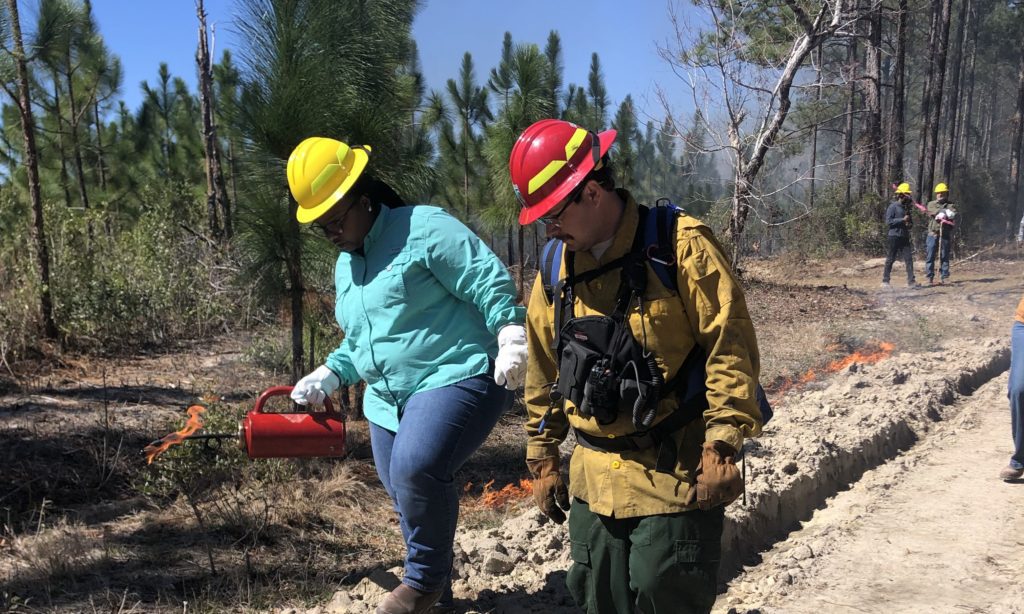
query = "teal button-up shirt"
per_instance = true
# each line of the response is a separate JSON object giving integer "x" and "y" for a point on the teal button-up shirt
{"x": 420, "y": 308}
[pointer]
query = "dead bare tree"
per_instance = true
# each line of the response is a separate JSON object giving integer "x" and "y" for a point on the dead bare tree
{"x": 744, "y": 86}
{"x": 217, "y": 205}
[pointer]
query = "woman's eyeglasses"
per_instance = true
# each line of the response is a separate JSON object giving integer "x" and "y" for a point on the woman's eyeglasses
{"x": 333, "y": 226}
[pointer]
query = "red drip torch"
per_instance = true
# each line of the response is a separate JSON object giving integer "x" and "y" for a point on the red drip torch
{"x": 264, "y": 434}
{"x": 291, "y": 435}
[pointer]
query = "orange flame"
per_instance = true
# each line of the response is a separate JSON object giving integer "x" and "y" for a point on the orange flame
{"x": 866, "y": 357}
{"x": 494, "y": 499}
{"x": 160, "y": 446}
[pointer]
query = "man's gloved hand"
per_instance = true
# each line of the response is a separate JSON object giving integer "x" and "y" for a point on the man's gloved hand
{"x": 718, "y": 480}
{"x": 510, "y": 365}
{"x": 941, "y": 215}
{"x": 549, "y": 490}
{"x": 315, "y": 387}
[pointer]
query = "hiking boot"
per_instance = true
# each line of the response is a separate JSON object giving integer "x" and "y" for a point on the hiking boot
{"x": 407, "y": 600}
{"x": 931, "y": 282}
{"x": 1010, "y": 473}
{"x": 885, "y": 285}
{"x": 913, "y": 284}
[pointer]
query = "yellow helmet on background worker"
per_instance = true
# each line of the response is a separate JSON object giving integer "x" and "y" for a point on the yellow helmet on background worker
{"x": 320, "y": 172}
{"x": 941, "y": 187}
{"x": 903, "y": 188}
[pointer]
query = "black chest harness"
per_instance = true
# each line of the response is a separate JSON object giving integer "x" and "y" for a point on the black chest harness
{"x": 604, "y": 370}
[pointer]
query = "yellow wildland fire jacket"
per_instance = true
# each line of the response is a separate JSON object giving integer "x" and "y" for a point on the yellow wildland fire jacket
{"x": 1019, "y": 316}
{"x": 709, "y": 310}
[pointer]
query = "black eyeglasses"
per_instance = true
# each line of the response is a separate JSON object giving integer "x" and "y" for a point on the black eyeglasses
{"x": 333, "y": 226}
{"x": 574, "y": 196}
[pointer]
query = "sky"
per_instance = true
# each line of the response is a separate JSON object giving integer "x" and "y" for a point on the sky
{"x": 144, "y": 33}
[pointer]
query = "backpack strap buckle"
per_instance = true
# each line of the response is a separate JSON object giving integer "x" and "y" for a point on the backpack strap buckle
{"x": 656, "y": 253}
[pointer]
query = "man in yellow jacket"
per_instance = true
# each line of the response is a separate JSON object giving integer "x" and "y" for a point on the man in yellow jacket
{"x": 610, "y": 357}
{"x": 941, "y": 224}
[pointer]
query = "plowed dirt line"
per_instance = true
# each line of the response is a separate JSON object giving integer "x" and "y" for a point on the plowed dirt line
{"x": 933, "y": 530}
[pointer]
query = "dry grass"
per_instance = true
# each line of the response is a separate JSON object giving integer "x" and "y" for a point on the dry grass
{"x": 56, "y": 553}
{"x": 294, "y": 532}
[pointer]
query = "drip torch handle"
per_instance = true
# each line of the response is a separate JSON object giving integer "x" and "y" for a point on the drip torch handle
{"x": 280, "y": 391}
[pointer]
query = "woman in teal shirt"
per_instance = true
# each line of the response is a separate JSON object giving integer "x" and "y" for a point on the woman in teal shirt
{"x": 432, "y": 326}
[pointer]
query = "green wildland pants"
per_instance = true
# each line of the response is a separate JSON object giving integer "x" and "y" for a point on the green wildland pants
{"x": 664, "y": 564}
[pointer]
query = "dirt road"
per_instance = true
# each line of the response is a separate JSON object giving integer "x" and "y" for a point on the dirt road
{"x": 933, "y": 530}
{"x": 891, "y": 466}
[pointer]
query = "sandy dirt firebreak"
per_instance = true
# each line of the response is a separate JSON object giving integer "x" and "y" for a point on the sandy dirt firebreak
{"x": 873, "y": 489}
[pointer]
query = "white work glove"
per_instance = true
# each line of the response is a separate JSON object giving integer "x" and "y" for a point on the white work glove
{"x": 941, "y": 215}
{"x": 950, "y": 214}
{"x": 315, "y": 387}
{"x": 510, "y": 366}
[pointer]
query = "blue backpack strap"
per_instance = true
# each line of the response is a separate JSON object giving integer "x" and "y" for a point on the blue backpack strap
{"x": 659, "y": 232}
{"x": 550, "y": 265}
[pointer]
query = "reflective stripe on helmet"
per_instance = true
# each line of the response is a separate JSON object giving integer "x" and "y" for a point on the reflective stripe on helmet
{"x": 546, "y": 173}
{"x": 331, "y": 169}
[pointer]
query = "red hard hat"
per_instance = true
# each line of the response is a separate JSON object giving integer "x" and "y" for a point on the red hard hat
{"x": 549, "y": 160}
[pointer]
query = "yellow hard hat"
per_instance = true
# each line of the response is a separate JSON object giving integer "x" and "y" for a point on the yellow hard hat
{"x": 941, "y": 187}
{"x": 320, "y": 171}
{"x": 903, "y": 188}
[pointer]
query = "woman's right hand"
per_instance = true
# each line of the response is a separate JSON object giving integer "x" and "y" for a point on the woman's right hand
{"x": 315, "y": 387}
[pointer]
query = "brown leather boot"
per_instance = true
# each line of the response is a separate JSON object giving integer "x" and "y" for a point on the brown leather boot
{"x": 407, "y": 600}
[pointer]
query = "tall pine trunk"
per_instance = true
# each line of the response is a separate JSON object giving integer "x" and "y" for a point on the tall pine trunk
{"x": 76, "y": 149}
{"x": 28, "y": 128}
{"x": 231, "y": 168}
{"x": 296, "y": 290}
{"x": 987, "y": 135}
{"x": 851, "y": 99}
{"x": 953, "y": 106}
{"x": 932, "y": 107}
{"x": 520, "y": 275}
{"x": 873, "y": 102}
{"x": 509, "y": 249}
{"x": 100, "y": 162}
{"x": 964, "y": 127}
{"x": 64, "y": 177}
{"x": 1016, "y": 143}
{"x": 814, "y": 133}
{"x": 466, "y": 136}
{"x": 897, "y": 135}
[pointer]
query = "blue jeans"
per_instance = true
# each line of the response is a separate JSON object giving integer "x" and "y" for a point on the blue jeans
{"x": 438, "y": 431}
{"x": 1016, "y": 394}
{"x": 931, "y": 246}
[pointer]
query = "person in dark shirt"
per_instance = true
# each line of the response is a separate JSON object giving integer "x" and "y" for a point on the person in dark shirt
{"x": 897, "y": 218}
